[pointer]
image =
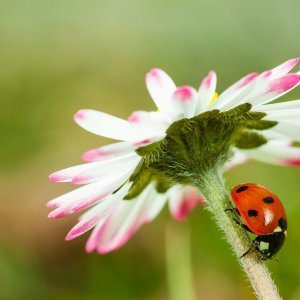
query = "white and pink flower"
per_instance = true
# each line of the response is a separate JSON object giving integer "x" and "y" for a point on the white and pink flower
{"x": 105, "y": 176}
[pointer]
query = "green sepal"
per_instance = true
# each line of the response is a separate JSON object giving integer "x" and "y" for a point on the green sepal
{"x": 139, "y": 182}
{"x": 150, "y": 149}
{"x": 238, "y": 111}
{"x": 255, "y": 115}
{"x": 141, "y": 178}
{"x": 163, "y": 184}
{"x": 260, "y": 124}
{"x": 247, "y": 139}
{"x": 206, "y": 115}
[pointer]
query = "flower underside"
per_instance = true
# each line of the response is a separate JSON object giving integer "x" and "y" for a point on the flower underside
{"x": 194, "y": 146}
{"x": 173, "y": 156}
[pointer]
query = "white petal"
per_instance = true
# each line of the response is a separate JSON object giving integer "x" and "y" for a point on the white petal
{"x": 237, "y": 159}
{"x": 149, "y": 120}
{"x": 131, "y": 220}
{"x": 266, "y": 91}
{"x": 276, "y": 152}
{"x": 107, "y": 225}
{"x": 258, "y": 89}
{"x": 155, "y": 205}
{"x": 103, "y": 234}
{"x": 160, "y": 87}
{"x": 175, "y": 195}
{"x": 288, "y": 130}
{"x": 184, "y": 101}
{"x": 108, "y": 168}
{"x": 68, "y": 174}
{"x": 117, "y": 150}
{"x": 206, "y": 92}
{"x": 112, "y": 127}
{"x": 86, "y": 196}
{"x": 282, "y": 69}
{"x": 129, "y": 217}
{"x": 182, "y": 200}
{"x": 100, "y": 211}
{"x": 123, "y": 224}
{"x": 96, "y": 234}
{"x": 108, "y": 152}
{"x": 270, "y": 134}
{"x": 289, "y": 115}
{"x": 235, "y": 93}
{"x": 295, "y": 104}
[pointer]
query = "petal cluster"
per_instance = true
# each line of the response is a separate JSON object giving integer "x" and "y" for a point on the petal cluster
{"x": 106, "y": 174}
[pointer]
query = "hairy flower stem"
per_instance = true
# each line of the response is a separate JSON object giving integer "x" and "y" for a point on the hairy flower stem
{"x": 213, "y": 188}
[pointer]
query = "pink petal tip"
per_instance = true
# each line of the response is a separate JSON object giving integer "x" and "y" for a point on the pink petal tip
{"x": 285, "y": 83}
{"x": 142, "y": 143}
{"x": 294, "y": 61}
{"x": 81, "y": 179}
{"x": 184, "y": 93}
{"x": 134, "y": 117}
{"x": 94, "y": 155}
{"x": 207, "y": 81}
{"x": 79, "y": 230}
{"x": 56, "y": 177}
{"x": 295, "y": 162}
{"x": 57, "y": 215}
{"x": 249, "y": 78}
{"x": 154, "y": 73}
{"x": 89, "y": 248}
{"x": 80, "y": 115}
{"x": 51, "y": 205}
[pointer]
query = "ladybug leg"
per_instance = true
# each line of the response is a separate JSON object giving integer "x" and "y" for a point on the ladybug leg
{"x": 242, "y": 225}
{"x": 234, "y": 209}
{"x": 253, "y": 246}
{"x": 246, "y": 252}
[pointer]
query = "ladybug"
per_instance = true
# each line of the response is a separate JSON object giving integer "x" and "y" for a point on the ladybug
{"x": 263, "y": 214}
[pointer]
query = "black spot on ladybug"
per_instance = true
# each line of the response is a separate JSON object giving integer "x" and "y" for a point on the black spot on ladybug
{"x": 252, "y": 213}
{"x": 282, "y": 224}
{"x": 242, "y": 188}
{"x": 268, "y": 200}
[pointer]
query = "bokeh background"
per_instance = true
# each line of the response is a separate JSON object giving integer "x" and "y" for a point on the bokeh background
{"x": 60, "y": 56}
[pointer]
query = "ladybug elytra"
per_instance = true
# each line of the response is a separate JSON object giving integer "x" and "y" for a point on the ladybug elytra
{"x": 263, "y": 214}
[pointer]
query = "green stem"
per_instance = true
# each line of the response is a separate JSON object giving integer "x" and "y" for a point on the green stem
{"x": 178, "y": 262}
{"x": 212, "y": 186}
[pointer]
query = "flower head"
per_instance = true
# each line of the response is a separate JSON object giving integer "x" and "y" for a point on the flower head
{"x": 126, "y": 184}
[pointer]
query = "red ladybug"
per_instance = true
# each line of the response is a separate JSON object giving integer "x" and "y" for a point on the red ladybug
{"x": 264, "y": 215}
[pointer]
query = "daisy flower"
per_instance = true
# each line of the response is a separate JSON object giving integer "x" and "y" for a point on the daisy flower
{"x": 166, "y": 156}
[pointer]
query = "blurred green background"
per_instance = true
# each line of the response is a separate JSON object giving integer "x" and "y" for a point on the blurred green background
{"x": 61, "y": 56}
